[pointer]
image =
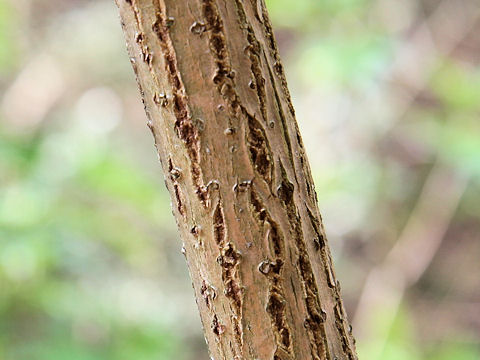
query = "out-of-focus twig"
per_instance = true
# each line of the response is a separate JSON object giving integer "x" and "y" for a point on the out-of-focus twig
{"x": 416, "y": 246}
{"x": 409, "y": 258}
{"x": 33, "y": 93}
{"x": 436, "y": 37}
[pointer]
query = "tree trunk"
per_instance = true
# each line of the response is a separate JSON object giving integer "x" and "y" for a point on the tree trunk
{"x": 218, "y": 106}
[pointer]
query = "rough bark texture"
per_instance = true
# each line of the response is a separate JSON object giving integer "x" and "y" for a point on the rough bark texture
{"x": 219, "y": 109}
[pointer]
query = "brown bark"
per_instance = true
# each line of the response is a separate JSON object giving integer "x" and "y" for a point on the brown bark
{"x": 218, "y": 106}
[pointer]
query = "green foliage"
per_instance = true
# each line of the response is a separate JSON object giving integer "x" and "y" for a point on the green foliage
{"x": 458, "y": 350}
{"x": 8, "y": 37}
{"x": 308, "y": 14}
{"x": 458, "y": 87}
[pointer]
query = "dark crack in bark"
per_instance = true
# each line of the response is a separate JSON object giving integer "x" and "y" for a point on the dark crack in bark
{"x": 184, "y": 125}
{"x": 272, "y": 269}
{"x": 315, "y": 322}
{"x": 229, "y": 260}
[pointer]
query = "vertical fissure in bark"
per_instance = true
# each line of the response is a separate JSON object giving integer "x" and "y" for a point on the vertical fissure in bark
{"x": 283, "y": 120}
{"x": 229, "y": 260}
{"x": 179, "y": 197}
{"x": 253, "y": 49}
{"x": 259, "y": 149}
{"x": 315, "y": 321}
{"x": 340, "y": 325}
{"x": 208, "y": 293}
{"x": 273, "y": 270}
{"x": 184, "y": 125}
{"x": 277, "y": 65}
{"x": 319, "y": 244}
{"x": 340, "y": 318}
{"x": 224, "y": 75}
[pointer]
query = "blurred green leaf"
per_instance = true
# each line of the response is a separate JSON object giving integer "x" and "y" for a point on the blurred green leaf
{"x": 455, "y": 351}
{"x": 8, "y": 38}
{"x": 457, "y": 87}
{"x": 298, "y": 14}
{"x": 351, "y": 60}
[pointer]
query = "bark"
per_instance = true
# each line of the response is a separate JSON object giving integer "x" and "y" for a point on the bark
{"x": 224, "y": 126}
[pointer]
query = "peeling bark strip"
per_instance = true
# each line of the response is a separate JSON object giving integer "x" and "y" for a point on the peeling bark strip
{"x": 218, "y": 107}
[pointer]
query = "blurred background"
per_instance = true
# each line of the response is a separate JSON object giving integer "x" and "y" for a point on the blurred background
{"x": 387, "y": 94}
